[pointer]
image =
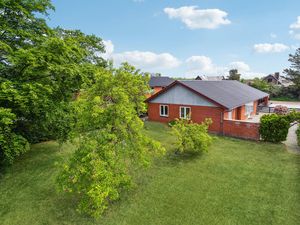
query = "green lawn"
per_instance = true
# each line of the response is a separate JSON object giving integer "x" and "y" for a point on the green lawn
{"x": 237, "y": 182}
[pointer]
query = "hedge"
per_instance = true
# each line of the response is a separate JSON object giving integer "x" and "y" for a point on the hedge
{"x": 274, "y": 127}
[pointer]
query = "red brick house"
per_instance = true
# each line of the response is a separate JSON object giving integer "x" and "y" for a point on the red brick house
{"x": 223, "y": 101}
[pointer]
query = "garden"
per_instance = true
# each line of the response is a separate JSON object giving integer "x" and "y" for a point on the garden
{"x": 235, "y": 182}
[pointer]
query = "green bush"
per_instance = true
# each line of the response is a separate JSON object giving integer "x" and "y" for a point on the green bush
{"x": 11, "y": 144}
{"x": 273, "y": 127}
{"x": 293, "y": 116}
{"x": 191, "y": 137}
{"x": 172, "y": 123}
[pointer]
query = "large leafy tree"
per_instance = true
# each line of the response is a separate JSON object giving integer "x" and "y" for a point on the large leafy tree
{"x": 294, "y": 71}
{"x": 110, "y": 139}
{"x": 42, "y": 69}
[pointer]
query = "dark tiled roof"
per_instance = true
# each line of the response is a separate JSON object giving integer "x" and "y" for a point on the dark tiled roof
{"x": 211, "y": 78}
{"x": 227, "y": 93}
{"x": 160, "y": 81}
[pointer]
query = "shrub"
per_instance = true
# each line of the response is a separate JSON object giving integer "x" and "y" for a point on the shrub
{"x": 293, "y": 116}
{"x": 281, "y": 110}
{"x": 11, "y": 144}
{"x": 172, "y": 123}
{"x": 192, "y": 137}
{"x": 274, "y": 127}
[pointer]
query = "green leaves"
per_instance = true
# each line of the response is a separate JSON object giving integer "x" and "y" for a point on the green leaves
{"x": 43, "y": 69}
{"x": 191, "y": 137}
{"x": 111, "y": 141}
{"x": 273, "y": 127}
{"x": 11, "y": 144}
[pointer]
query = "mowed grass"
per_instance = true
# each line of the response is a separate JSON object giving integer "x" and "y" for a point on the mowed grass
{"x": 236, "y": 182}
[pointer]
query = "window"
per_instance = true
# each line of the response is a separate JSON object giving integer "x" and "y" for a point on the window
{"x": 249, "y": 108}
{"x": 230, "y": 115}
{"x": 185, "y": 112}
{"x": 164, "y": 110}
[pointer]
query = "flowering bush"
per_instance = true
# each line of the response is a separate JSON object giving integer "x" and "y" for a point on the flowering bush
{"x": 281, "y": 110}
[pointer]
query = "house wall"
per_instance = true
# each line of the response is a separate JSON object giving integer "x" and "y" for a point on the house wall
{"x": 181, "y": 95}
{"x": 241, "y": 129}
{"x": 198, "y": 114}
{"x": 239, "y": 113}
{"x": 270, "y": 79}
{"x": 233, "y": 128}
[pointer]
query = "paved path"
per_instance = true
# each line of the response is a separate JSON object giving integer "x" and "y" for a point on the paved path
{"x": 291, "y": 141}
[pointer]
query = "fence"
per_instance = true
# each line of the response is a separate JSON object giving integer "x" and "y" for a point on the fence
{"x": 241, "y": 129}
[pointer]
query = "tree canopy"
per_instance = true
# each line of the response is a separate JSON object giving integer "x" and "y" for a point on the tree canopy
{"x": 234, "y": 75}
{"x": 111, "y": 142}
{"x": 294, "y": 71}
{"x": 41, "y": 70}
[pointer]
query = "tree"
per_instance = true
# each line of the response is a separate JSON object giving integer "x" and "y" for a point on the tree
{"x": 260, "y": 85}
{"x": 11, "y": 144}
{"x": 111, "y": 141}
{"x": 294, "y": 71}
{"x": 41, "y": 69}
{"x": 191, "y": 137}
{"x": 234, "y": 75}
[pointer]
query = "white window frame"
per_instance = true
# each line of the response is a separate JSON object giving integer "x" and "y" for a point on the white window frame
{"x": 249, "y": 108}
{"x": 230, "y": 115}
{"x": 164, "y": 111}
{"x": 185, "y": 114}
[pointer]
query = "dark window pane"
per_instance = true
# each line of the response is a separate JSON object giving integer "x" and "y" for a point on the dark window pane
{"x": 182, "y": 112}
{"x": 166, "y": 110}
{"x": 187, "y": 112}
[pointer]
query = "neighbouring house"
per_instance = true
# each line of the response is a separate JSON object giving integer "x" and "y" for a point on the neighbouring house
{"x": 228, "y": 103}
{"x": 158, "y": 83}
{"x": 277, "y": 79}
{"x": 211, "y": 78}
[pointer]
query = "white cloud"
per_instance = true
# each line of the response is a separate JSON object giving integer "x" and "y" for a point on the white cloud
{"x": 270, "y": 48}
{"x": 109, "y": 48}
{"x": 203, "y": 65}
{"x": 240, "y": 66}
{"x": 200, "y": 63}
{"x": 195, "y": 18}
{"x": 165, "y": 62}
{"x": 147, "y": 60}
{"x": 296, "y": 25}
{"x": 140, "y": 59}
{"x": 295, "y": 29}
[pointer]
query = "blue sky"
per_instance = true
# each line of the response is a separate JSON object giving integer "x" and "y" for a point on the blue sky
{"x": 188, "y": 38}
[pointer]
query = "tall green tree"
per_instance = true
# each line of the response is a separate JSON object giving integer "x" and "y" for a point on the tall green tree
{"x": 41, "y": 69}
{"x": 110, "y": 139}
{"x": 234, "y": 75}
{"x": 294, "y": 71}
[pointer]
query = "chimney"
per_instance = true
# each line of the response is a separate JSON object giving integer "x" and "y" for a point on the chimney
{"x": 276, "y": 75}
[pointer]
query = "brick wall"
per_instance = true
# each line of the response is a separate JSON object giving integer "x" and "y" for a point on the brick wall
{"x": 241, "y": 129}
{"x": 233, "y": 128}
{"x": 198, "y": 114}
